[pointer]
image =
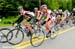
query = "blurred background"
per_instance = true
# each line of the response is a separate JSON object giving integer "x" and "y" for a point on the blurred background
{"x": 9, "y": 8}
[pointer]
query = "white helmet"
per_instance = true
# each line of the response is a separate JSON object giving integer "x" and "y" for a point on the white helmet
{"x": 60, "y": 10}
{"x": 73, "y": 8}
{"x": 44, "y": 6}
{"x": 35, "y": 8}
{"x": 20, "y": 7}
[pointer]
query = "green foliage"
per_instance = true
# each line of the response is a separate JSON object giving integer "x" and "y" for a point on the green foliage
{"x": 8, "y": 21}
{"x": 59, "y": 4}
{"x": 10, "y": 6}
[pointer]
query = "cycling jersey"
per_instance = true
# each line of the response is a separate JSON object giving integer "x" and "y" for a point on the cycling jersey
{"x": 59, "y": 13}
{"x": 53, "y": 19}
{"x": 25, "y": 15}
{"x": 45, "y": 15}
{"x": 73, "y": 13}
{"x": 59, "y": 17}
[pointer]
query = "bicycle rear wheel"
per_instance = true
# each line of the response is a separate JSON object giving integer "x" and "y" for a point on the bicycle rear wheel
{"x": 37, "y": 38}
{"x": 17, "y": 36}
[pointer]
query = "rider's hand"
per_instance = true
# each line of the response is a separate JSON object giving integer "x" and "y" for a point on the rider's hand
{"x": 14, "y": 24}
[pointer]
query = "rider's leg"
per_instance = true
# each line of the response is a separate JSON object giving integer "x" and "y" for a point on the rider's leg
{"x": 25, "y": 23}
{"x": 48, "y": 28}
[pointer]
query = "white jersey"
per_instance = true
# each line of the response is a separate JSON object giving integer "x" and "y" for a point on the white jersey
{"x": 28, "y": 12}
{"x": 49, "y": 11}
{"x": 53, "y": 18}
{"x": 31, "y": 13}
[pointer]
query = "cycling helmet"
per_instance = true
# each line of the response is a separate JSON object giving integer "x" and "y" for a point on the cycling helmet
{"x": 35, "y": 8}
{"x": 44, "y": 6}
{"x": 20, "y": 7}
{"x": 74, "y": 9}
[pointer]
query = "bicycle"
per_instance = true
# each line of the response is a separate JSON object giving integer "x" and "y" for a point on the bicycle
{"x": 32, "y": 37}
{"x": 53, "y": 34}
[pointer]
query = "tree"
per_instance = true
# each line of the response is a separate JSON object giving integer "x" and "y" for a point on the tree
{"x": 8, "y": 7}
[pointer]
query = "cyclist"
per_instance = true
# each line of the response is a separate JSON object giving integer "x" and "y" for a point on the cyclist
{"x": 46, "y": 16}
{"x": 60, "y": 17}
{"x": 25, "y": 17}
{"x": 73, "y": 15}
{"x": 67, "y": 15}
{"x": 38, "y": 15}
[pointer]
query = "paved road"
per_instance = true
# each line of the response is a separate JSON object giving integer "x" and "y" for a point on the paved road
{"x": 64, "y": 41}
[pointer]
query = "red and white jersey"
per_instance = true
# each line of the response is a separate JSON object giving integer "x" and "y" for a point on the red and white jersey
{"x": 48, "y": 12}
{"x": 50, "y": 16}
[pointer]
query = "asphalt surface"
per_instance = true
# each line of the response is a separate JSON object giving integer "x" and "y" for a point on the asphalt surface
{"x": 63, "y": 41}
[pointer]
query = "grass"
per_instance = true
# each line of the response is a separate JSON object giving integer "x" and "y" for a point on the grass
{"x": 8, "y": 21}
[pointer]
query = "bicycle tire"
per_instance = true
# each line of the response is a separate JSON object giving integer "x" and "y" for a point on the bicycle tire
{"x": 12, "y": 43}
{"x": 5, "y": 35}
{"x": 34, "y": 44}
{"x": 53, "y": 36}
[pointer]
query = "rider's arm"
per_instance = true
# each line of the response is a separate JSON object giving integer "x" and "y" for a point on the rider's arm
{"x": 20, "y": 19}
{"x": 39, "y": 15}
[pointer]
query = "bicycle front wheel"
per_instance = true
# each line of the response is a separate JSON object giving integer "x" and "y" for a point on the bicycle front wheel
{"x": 53, "y": 35}
{"x": 17, "y": 36}
{"x": 3, "y": 33}
{"x": 37, "y": 38}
